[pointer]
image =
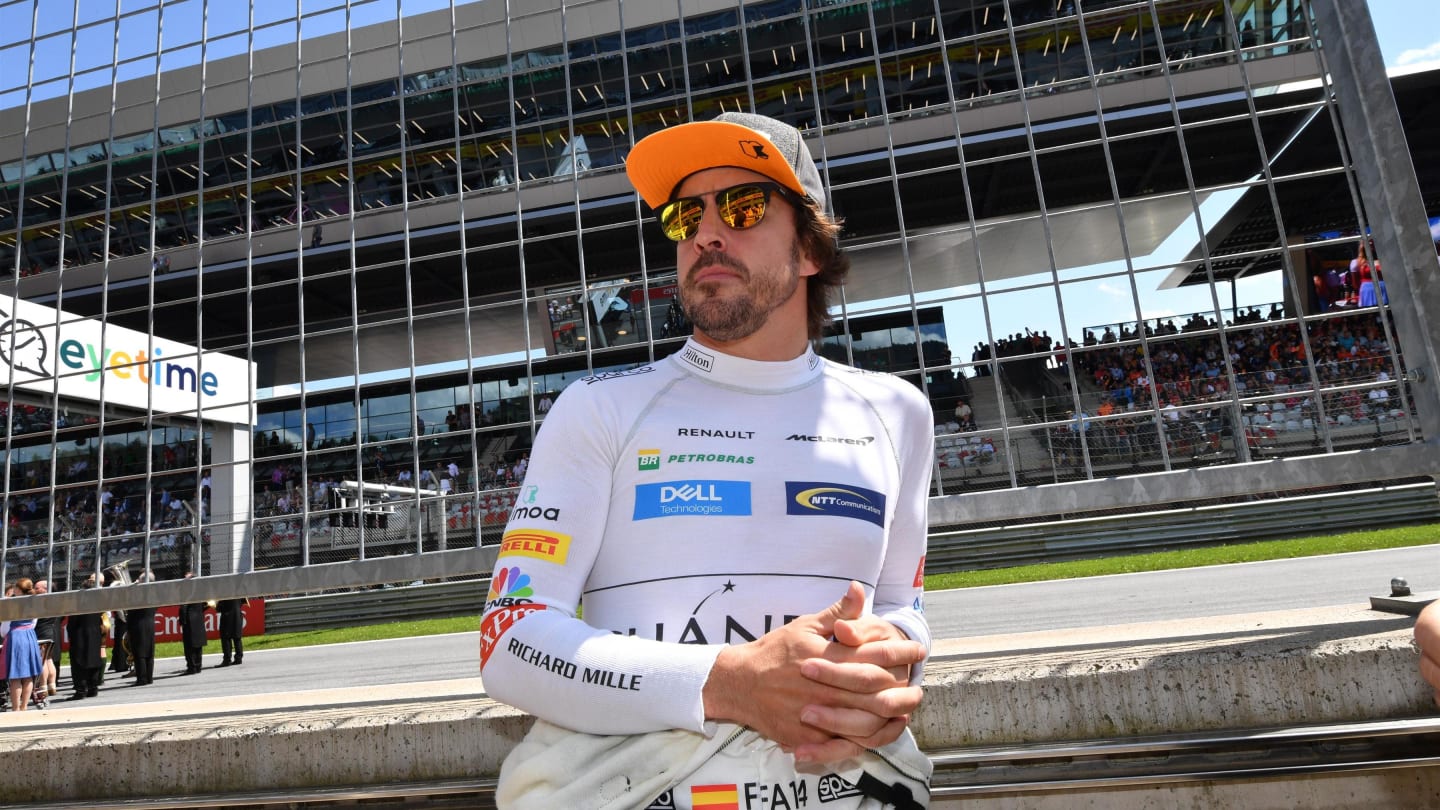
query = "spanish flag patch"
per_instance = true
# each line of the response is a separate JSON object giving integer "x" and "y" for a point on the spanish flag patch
{"x": 714, "y": 797}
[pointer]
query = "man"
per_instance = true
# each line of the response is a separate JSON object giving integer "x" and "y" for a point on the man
{"x": 140, "y": 624}
{"x": 119, "y": 659}
{"x": 744, "y": 523}
{"x": 87, "y": 658}
{"x": 964, "y": 415}
{"x": 192, "y": 633}
{"x": 231, "y": 624}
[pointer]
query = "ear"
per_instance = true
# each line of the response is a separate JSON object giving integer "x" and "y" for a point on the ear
{"x": 804, "y": 264}
{"x": 807, "y": 266}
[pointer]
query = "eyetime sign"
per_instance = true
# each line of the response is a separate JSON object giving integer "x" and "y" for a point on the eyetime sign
{"x": 47, "y": 351}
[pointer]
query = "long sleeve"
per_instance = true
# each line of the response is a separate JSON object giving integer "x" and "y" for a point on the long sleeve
{"x": 552, "y": 664}
{"x": 701, "y": 501}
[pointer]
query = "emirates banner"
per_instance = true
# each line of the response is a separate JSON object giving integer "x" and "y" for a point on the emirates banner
{"x": 167, "y": 622}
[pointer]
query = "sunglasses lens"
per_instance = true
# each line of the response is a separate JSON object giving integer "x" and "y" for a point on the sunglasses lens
{"x": 742, "y": 207}
{"x": 681, "y": 218}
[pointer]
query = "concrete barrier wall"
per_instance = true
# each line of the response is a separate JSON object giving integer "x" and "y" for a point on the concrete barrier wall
{"x": 1272, "y": 670}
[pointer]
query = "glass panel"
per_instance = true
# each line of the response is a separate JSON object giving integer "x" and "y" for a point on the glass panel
{"x": 868, "y": 217}
{"x": 138, "y": 34}
{"x": 54, "y": 19}
{"x": 183, "y": 23}
{"x": 94, "y": 46}
{"x": 654, "y": 72}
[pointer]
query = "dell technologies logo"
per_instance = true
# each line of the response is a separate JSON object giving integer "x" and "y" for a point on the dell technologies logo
{"x": 700, "y": 498}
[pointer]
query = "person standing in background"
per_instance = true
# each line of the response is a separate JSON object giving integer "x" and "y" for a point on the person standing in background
{"x": 192, "y": 633}
{"x": 23, "y": 664}
{"x": 47, "y": 633}
{"x": 232, "y": 622}
{"x": 119, "y": 659}
{"x": 140, "y": 624}
{"x": 87, "y": 641}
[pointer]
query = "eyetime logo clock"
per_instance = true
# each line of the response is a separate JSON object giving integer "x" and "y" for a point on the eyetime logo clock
{"x": 23, "y": 345}
{"x": 53, "y": 353}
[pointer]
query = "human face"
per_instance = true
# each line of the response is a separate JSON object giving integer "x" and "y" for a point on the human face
{"x": 732, "y": 282}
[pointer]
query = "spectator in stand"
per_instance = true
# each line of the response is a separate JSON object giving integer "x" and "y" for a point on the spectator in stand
{"x": 964, "y": 415}
{"x": 1379, "y": 400}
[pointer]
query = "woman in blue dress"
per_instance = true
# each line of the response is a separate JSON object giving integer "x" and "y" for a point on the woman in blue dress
{"x": 22, "y": 654}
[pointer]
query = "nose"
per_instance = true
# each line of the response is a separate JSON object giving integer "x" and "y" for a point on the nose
{"x": 711, "y": 232}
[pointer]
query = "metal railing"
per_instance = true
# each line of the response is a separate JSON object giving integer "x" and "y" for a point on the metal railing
{"x": 375, "y": 606}
{"x": 1411, "y": 504}
{"x": 1082, "y": 767}
{"x": 963, "y": 550}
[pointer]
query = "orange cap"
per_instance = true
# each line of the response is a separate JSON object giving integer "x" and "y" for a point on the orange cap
{"x": 660, "y": 162}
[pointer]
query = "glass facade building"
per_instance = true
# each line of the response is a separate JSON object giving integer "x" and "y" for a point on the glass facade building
{"x": 1105, "y": 238}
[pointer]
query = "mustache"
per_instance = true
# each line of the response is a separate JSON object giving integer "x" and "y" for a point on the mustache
{"x": 713, "y": 258}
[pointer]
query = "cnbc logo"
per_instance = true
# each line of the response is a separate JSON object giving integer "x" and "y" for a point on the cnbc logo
{"x": 649, "y": 460}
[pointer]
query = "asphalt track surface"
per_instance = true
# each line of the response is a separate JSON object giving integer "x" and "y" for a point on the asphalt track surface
{"x": 393, "y": 666}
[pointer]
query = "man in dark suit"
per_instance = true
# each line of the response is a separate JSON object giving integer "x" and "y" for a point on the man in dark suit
{"x": 232, "y": 622}
{"x": 87, "y": 661}
{"x": 140, "y": 624}
{"x": 119, "y": 660}
{"x": 192, "y": 632}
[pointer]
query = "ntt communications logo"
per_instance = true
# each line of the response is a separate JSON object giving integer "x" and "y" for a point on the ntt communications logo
{"x": 817, "y": 498}
{"x": 700, "y": 498}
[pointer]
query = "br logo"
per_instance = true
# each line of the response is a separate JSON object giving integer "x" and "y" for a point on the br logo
{"x": 23, "y": 346}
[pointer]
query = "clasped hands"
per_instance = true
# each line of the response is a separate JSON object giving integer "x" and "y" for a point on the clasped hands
{"x": 821, "y": 699}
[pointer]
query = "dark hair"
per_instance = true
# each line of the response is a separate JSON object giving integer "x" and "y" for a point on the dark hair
{"x": 819, "y": 240}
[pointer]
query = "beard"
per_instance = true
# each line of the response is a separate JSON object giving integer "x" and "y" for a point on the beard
{"x": 738, "y": 315}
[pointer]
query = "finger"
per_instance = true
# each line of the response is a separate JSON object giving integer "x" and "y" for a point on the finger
{"x": 832, "y": 750}
{"x": 853, "y": 676}
{"x": 843, "y": 722}
{"x": 895, "y": 701}
{"x": 886, "y": 654}
{"x": 839, "y": 748}
{"x": 850, "y": 606}
{"x": 886, "y": 735}
{"x": 854, "y": 632}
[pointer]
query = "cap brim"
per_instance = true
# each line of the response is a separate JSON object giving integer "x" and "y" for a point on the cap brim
{"x": 660, "y": 161}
